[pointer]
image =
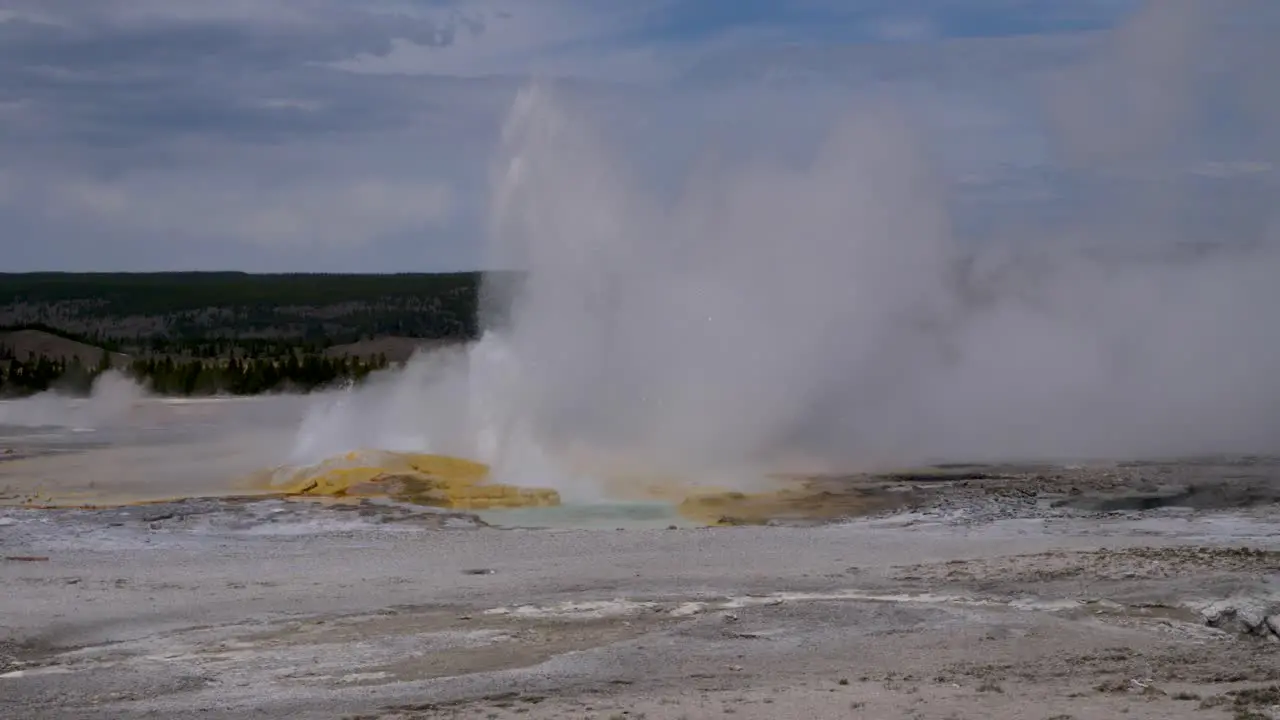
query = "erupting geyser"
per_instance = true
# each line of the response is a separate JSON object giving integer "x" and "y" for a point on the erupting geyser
{"x": 823, "y": 313}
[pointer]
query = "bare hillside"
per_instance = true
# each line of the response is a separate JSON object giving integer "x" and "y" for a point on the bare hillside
{"x": 395, "y": 349}
{"x": 24, "y": 344}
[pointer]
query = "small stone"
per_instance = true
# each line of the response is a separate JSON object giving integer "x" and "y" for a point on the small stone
{"x": 1253, "y": 616}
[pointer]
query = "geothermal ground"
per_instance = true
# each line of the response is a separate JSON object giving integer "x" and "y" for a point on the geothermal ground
{"x": 1104, "y": 590}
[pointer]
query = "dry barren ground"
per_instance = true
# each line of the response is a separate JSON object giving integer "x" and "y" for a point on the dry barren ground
{"x": 1117, "y": 591}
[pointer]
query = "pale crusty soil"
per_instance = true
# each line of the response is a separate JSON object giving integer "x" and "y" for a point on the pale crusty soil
{"x": 1040, "y": 595}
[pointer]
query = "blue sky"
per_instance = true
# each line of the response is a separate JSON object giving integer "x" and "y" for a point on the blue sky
{"x": 342, "y": 135}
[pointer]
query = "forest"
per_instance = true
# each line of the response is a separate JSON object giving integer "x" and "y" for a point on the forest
{"x": 220, "y": 332}
{"x": 166, "y": 376}
{"x": 183, "y": 313}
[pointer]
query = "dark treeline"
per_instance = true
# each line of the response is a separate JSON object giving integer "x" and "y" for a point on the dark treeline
{"x": 209, "y": 348}
{"x": 174, "y": 312}
{"x": 251, "y": 376}
{"x": 187, "y": 377}
{"x": 186, "y": 333}
{"x": 167, "y": 292}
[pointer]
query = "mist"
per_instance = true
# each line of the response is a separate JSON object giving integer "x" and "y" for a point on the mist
{"x": 816, "y": 305}
{"x": 112, "y": 398}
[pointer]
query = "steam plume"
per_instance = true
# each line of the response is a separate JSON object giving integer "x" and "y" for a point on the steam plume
{"x": 826, "y": 314}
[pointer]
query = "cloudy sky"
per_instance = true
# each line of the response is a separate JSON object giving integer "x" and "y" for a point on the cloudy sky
{"x": 330, "y": 135}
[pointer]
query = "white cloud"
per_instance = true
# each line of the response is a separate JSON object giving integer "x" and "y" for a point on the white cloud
{"x": 331, "y": 125}
{"x": 1233, "y": 168}
{"x": 494, "y": 37}
{"x": 288, "y": 103}
{"x": 30, "y": 14}
{"x": 149, "y": 12}
{"x": 320, "y": 214}
{"x": 8, "y": 185}
{"x": 905, "y": 29}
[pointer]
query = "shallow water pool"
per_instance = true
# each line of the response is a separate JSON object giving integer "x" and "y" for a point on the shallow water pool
{"x": 629, "y": 516}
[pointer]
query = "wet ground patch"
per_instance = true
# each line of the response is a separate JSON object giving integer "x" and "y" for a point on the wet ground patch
{"x": 1232, "y": 493}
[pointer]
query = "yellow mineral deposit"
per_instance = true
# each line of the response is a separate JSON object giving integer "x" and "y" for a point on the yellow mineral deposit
{"x": 804, "y": 499}
{"x": 422, "y": 479}
{"x": 457, "y": 483}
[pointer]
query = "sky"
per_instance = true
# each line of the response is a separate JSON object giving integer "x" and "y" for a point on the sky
{"x": 357, "y": 135}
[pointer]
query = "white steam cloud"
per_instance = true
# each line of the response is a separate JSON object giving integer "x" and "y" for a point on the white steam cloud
{"x": 824, "y": 313}
{"x": 112, "y": 398}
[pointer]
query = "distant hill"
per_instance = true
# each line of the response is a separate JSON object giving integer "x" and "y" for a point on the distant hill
{"x": 232, "y": 333}
{"x": 208, "y": 314}
{"x": 394, "y": 349}
{"x": 24, "y": 344}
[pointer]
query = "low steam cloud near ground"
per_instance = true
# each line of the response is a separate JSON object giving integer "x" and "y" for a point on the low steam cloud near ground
{"x": 111, "y": 398}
